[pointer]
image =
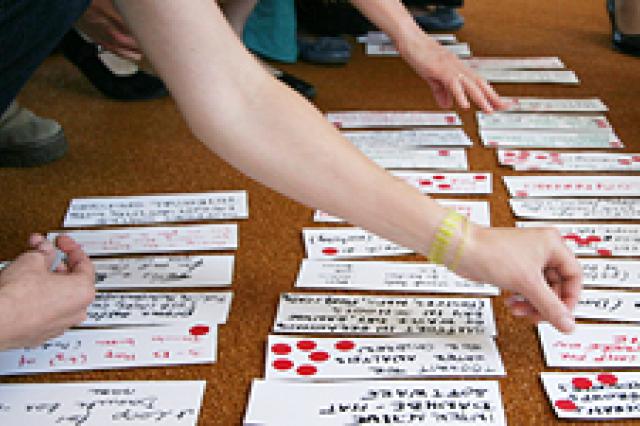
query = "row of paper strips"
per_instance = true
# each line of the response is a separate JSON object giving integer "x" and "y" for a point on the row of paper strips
{"x": 379, "y": 44}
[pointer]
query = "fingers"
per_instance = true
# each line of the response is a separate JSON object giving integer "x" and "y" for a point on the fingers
{"x": 477, "y": 94}
{"x": 77, "y": 259}
{"x": 549, "y": 305}
{"x": 567, "y": 269}
{"x": 458, "y": 90}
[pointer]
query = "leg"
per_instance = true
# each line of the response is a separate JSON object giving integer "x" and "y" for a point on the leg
{"x": 628, "y": 16}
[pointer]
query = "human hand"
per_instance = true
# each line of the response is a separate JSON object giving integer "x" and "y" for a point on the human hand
{"x": 37, "y": 304}
{"x": 534, "y": 263}
{"x": 105, "y": 26}
{"x": 449, "y": 78}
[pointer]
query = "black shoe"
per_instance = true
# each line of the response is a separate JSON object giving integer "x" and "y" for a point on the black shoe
{"x": 134, "y": 87}
{"x": 625, "y": 43}
{"x": 305, "y": 89}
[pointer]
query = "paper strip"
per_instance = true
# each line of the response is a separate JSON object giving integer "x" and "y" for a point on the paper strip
{"x": 573, "y": 186}
{"x": 528, "y": 76}
{"x": 521, "y": 121}
{"x": 550, "y": 62}
{"x": 407, "y": 139}
{"x": 521, "y": 104}
{"x": 448, "y": 183}
{"x": 373, "y": 119}
{"x": 336, "y": 243}
{"x": 610, "y": 273}
{"x": 569, "y": 161}
{"x": 549, "y": 139}
{"x": 576, "y": 208}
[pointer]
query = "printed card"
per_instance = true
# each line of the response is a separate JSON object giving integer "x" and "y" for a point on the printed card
{"x": 154, "y": 239}
{"x": 609, "y": 305}
{"x": 164, "y": 403}
{"x": 442, "y": 159}
{"x": 378, "y": 37}
{"x": 462, "y": 50}
{"x": 386, "y": 276}
{"x": 373, "y": 119}
{"x": 450, "y": 403}
{"x": 592, "y": 346}
{"x": 303, "y": 313}
{"x": 506, "y": 120}
{"x": 407, "y": 139}
{"x": 569, "y": 161}
{"x": 593, "y": 396}
{"x": 529, "y": 76}
{"x": 521, "y": 104}
{"x": 476, "y": 211}
{"x": 120, "y": 348}
{"x": 610, "y": 273}
{"x": 113, "y": 309}
{"x": 302, "y": 358}
{"x": 147, "y": 209}
{"x": 605, "y": 240}
{"x": 573, "y": 186}
{"x": 336, "y": 243}
{"x": 550, "y": 62}
{"x": 448, "y": 183}
{"x": 576, "y": 208}
{"x": 550, "y": 139}
{"x": 166, "y": 271}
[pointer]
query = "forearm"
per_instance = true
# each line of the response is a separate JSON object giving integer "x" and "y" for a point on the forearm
{"x": 266, "y": 130}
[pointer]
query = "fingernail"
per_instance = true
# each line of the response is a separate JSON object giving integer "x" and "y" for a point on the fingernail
{"x": 519, "y": 312}
{"x": 567, "y": 324}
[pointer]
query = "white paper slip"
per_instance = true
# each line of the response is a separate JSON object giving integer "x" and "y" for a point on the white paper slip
{"x": 462, "y": 50}
{"x": 165, "y": 403}
{"x": 336, "y": 243}
{"x": 576, "y": 208}
{"x": 523, "y": 104}
{"x": 441, "y": 159}
{"x": 373, "y": 119}
{"x": 386, "y": 276}
{"x": 610, "y": 273}
{"x": 591, "y": 346}
{"x": 147, "y": 209}
{"x": 112, "y": 309}
{"x": 304, "y": 313}
{"x": 529, "y": 76}
{"x": 573, "y": 186}
{"x": 121, "y": 348}
{"x": 569, "y": 161}
{"x": 303, "y": 358}
{"x": 593, "y": 396}
{"x": 166, "y": 271}
{"x": 506, "y": 120}
{"x": 4, "y": 265}
{"x": 378, "y": 37}
{"x": 605, "y": 240}
{"x": 547, "y": 62}
{"x": 475, "y": 211}
{"x": 407, "y": 139}
{"x": 154, "y": 239}
{"x": 550, "y": 139}
{"x": 623, "y": 306}
{"x": 451, "y": 403}
{"x": 448, "y": 183}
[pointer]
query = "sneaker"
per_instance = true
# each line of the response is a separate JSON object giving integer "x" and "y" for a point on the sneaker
{"x": 27, "y": 140}
{"x": 442, "y": 18}
{"x": 324, "y": 50}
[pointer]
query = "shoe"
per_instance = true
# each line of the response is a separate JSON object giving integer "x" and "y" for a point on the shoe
{"x": 625, "y": 43}
{"x": 305, "y": 89}
{"x": 27, "y": 140}
{"x": 442, "y": 18}
{"x": 87, "y": 57}
{"x": 324, "y": 50}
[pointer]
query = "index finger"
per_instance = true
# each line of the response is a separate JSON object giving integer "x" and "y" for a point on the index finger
{"x": 77, "y": 259}
{"x": 564, "y": 262}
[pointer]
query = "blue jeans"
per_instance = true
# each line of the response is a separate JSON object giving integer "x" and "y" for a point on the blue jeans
{"x": 29, "y": 31}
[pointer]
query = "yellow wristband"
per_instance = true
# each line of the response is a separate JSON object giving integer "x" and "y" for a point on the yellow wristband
{"x": 442, "y": 239}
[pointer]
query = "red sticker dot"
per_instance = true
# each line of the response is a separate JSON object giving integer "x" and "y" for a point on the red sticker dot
{"x": 541, "y": 157}
{"x": 199, "y": 330}
{"x": 281, "y": 349}
{"x": 492, "y": 143}
{"x": 306, "y": 345}
{"x": 581, "y": 383}
{"x": 480, "y": 177}
{"x": 443, "y": 153}
{"x": 338, "y": 124}
{"x": 522, "y": 194}
{"x": 424, "y": 182}
{"x": 439, "y": 177}
{"x": 345, "y": 345}
{"x": 306, "y": 370}
{"x": 319, "y": 356}
{"x": 330, "y": 251}
{"x": 566, "y": 405}
{"x": 635, "y": 158}
{"x": 605, "y": 253}
{"x": 444, "y": 186}
{"x": 510, "y": 154}
{"x": 624, "y": 161}
{"x": 616, "y": 144}
{"x": 607, "y": 379}
{"x": 282, "y": 364}
{"x": 451, "y": 119}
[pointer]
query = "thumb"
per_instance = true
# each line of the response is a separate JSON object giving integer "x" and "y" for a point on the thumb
{"x": 549, "y": 305}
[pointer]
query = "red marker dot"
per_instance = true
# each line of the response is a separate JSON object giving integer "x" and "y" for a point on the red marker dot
{"x": 451, "y": 119}
{"x": 345, "y": 345}
{"x": 480, "y": 177}
{"x": 492, "y": 143}
{"x": 541, "y": 157}
{"x": 602, "y": 124}
{"x": 282, "y": 364}
{"x": 306, "y": 370}
{"x": 522, "y": 194}
{"x": 624, "y": 161}
{"x": 566, "y": 405}
{"x": 319, "y": 356}
{"x": 330, "y": 251}
{"x": 444, "y": 186}
{"x": 425, "y": 182}
{"x": 510, "y": 154}
{"x": 438, "y": 177}
{"x": 338, "y": 124}
{"x": 199, "y": 330}
{"x": 605, "y": 253}
{"x": 635, "y": 158}
{"x": 306, "y": 345}
{"x": 281, "y": 349}
{"x": 581, "y": 383}
{"x": 607, "y": 379}
{"x": 443, "y": 153}
{"x": 616, "y": 144}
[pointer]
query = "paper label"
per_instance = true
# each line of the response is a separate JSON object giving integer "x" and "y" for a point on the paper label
{"x": 549, "y": 139}
{"x": 302, "y": 358}
{"x": 392, "y": 315}
{"x": 149, "y": 209}
{"x": 528, "y": 76}
{"x": 102, "y": 403}
{"x": 462, "y": 50}
{"x": 556, "y": 105}
{"x": 573, "y": 186}
{"x": 336, "y": 243}
{"x": 407, "y": 139}
{"x": 372, "y": 119}
{"x": 442, "y": 159}
{"x": 576, "y": 208}
{"x": 610, "y": 273}
{"x": 378, "y": 37}
{"x": 550, "y": 62}
{"x": 609, "y": 305}
{"x": 505, "y": 120}
{"x": 451, "y": 403}
{"x": 155, "y": 239}
{"x": 448, "y": 183}
{"x": 569, "y": 161}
